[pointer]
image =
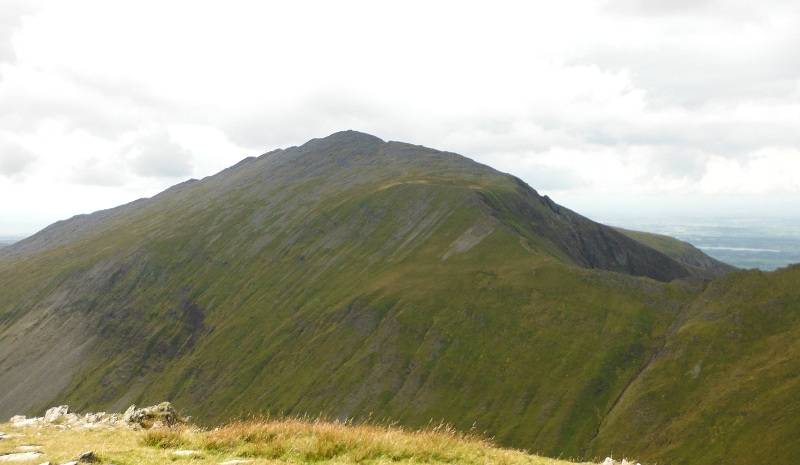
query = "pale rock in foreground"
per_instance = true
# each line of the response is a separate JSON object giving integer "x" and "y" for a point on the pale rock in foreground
{"x": 610, "y": 461}
{"x": 20, "y": 456}
{"x": 52, "y": 415}
{"x": 156, "y": 416}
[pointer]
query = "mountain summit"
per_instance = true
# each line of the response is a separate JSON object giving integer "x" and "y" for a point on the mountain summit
{"x": 351, "y": 163}
{"x": 357, "y": 277}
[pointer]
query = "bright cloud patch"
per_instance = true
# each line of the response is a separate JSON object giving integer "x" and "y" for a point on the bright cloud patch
{"x": 158, "y": 156}
{"x": 14, "y": 160}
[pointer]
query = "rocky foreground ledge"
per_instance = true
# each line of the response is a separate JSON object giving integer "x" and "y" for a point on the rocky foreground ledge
{"x": 156, "y": 416}
{"x": 67, "y": 438}
{"x": 162, "y": 415}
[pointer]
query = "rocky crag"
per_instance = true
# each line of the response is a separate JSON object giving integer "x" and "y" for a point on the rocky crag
{"x": 162, "y": 415}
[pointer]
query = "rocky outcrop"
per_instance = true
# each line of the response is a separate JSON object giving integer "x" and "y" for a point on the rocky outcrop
{"x": 54, "y": 414}
{"x": 162, "y": 415}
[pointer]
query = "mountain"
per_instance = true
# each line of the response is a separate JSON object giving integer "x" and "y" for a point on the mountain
{"x": 361, "y": 278}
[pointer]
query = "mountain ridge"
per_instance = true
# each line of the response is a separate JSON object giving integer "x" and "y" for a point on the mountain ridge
{"x": 348, "y": 276}
{"x": 582, "y": 248}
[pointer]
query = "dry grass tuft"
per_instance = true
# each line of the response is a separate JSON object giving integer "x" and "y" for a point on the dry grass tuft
{"x": 164, "y": 438}
{"x": 264, "y": 442}
{"x": 303, "y": 440}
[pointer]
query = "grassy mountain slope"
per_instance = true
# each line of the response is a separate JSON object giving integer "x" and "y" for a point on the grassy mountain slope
{"x": 350, "y": 277}
{"x": 723, "y": 388}
{"x": 679, "y": 250}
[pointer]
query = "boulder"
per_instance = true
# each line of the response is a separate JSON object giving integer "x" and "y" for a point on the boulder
{"x": 87, "y": 457}
{"x": 126, "y": 417}
{"x": 160, "y": 415}
{"x": 56, "y": 413}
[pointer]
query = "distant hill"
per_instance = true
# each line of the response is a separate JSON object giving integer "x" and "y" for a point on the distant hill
{"x": 360, "y": 278}
{"x": 679, "y": 250}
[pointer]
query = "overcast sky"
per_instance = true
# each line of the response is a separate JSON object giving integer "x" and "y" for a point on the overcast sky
{"x": 610, "y": 107}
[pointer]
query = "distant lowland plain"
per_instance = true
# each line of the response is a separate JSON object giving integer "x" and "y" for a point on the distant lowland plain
{"x": 362, "y": 281}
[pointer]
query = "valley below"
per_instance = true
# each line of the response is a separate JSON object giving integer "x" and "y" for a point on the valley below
{"x": 765, "y": 243}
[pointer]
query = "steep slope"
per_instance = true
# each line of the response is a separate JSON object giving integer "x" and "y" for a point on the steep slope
{"x": 348, "y": 276}
{"x": 679, "y": 250}
{"x": 723, "y": 388}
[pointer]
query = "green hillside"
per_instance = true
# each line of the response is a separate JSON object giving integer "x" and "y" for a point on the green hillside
{"x": 723, "y": 387}
{"x": 357, "y": 278}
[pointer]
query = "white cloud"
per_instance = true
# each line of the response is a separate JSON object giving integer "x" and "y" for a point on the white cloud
{"x": 156, "y": 155}
{"x": 10, "y": 23}
{"x": 14, "y": 160}
{"x": 582, "y": 99}
{"x": 95, "y": 171}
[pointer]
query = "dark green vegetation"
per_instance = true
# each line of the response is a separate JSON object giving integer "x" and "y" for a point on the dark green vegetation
{"x": 357, "y": 278}
{"x": 725, "y": 382}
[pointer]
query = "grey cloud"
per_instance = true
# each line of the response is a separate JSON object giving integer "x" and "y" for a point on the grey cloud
{"x": 320, "y": 114}
{"x": 27, "y": 113}
{"x": 484, "y": 136}
{"x": 325, "y": 113}
{"x": 11, "y": 14}
{"x": 694, "y": 77}
{"x": 658, "y": 7}
{"x": 763, "y": 65}
{"x": 101, "y": 106}
{"x": 726, "y": 139}
{"x": 551, "y": 178}
{"x": 95, "y": 172}
{"x": 160, "y": 157}
{"x": 678, "y": 164}
{"x": 730, "y": 10}
{"x": 14, "y": 160}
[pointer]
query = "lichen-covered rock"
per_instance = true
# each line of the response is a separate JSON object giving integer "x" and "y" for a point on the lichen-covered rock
{"x": 160, "y": 415}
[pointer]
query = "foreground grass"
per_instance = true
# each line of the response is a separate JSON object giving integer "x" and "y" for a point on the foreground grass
{"x": 292, "y": 440}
